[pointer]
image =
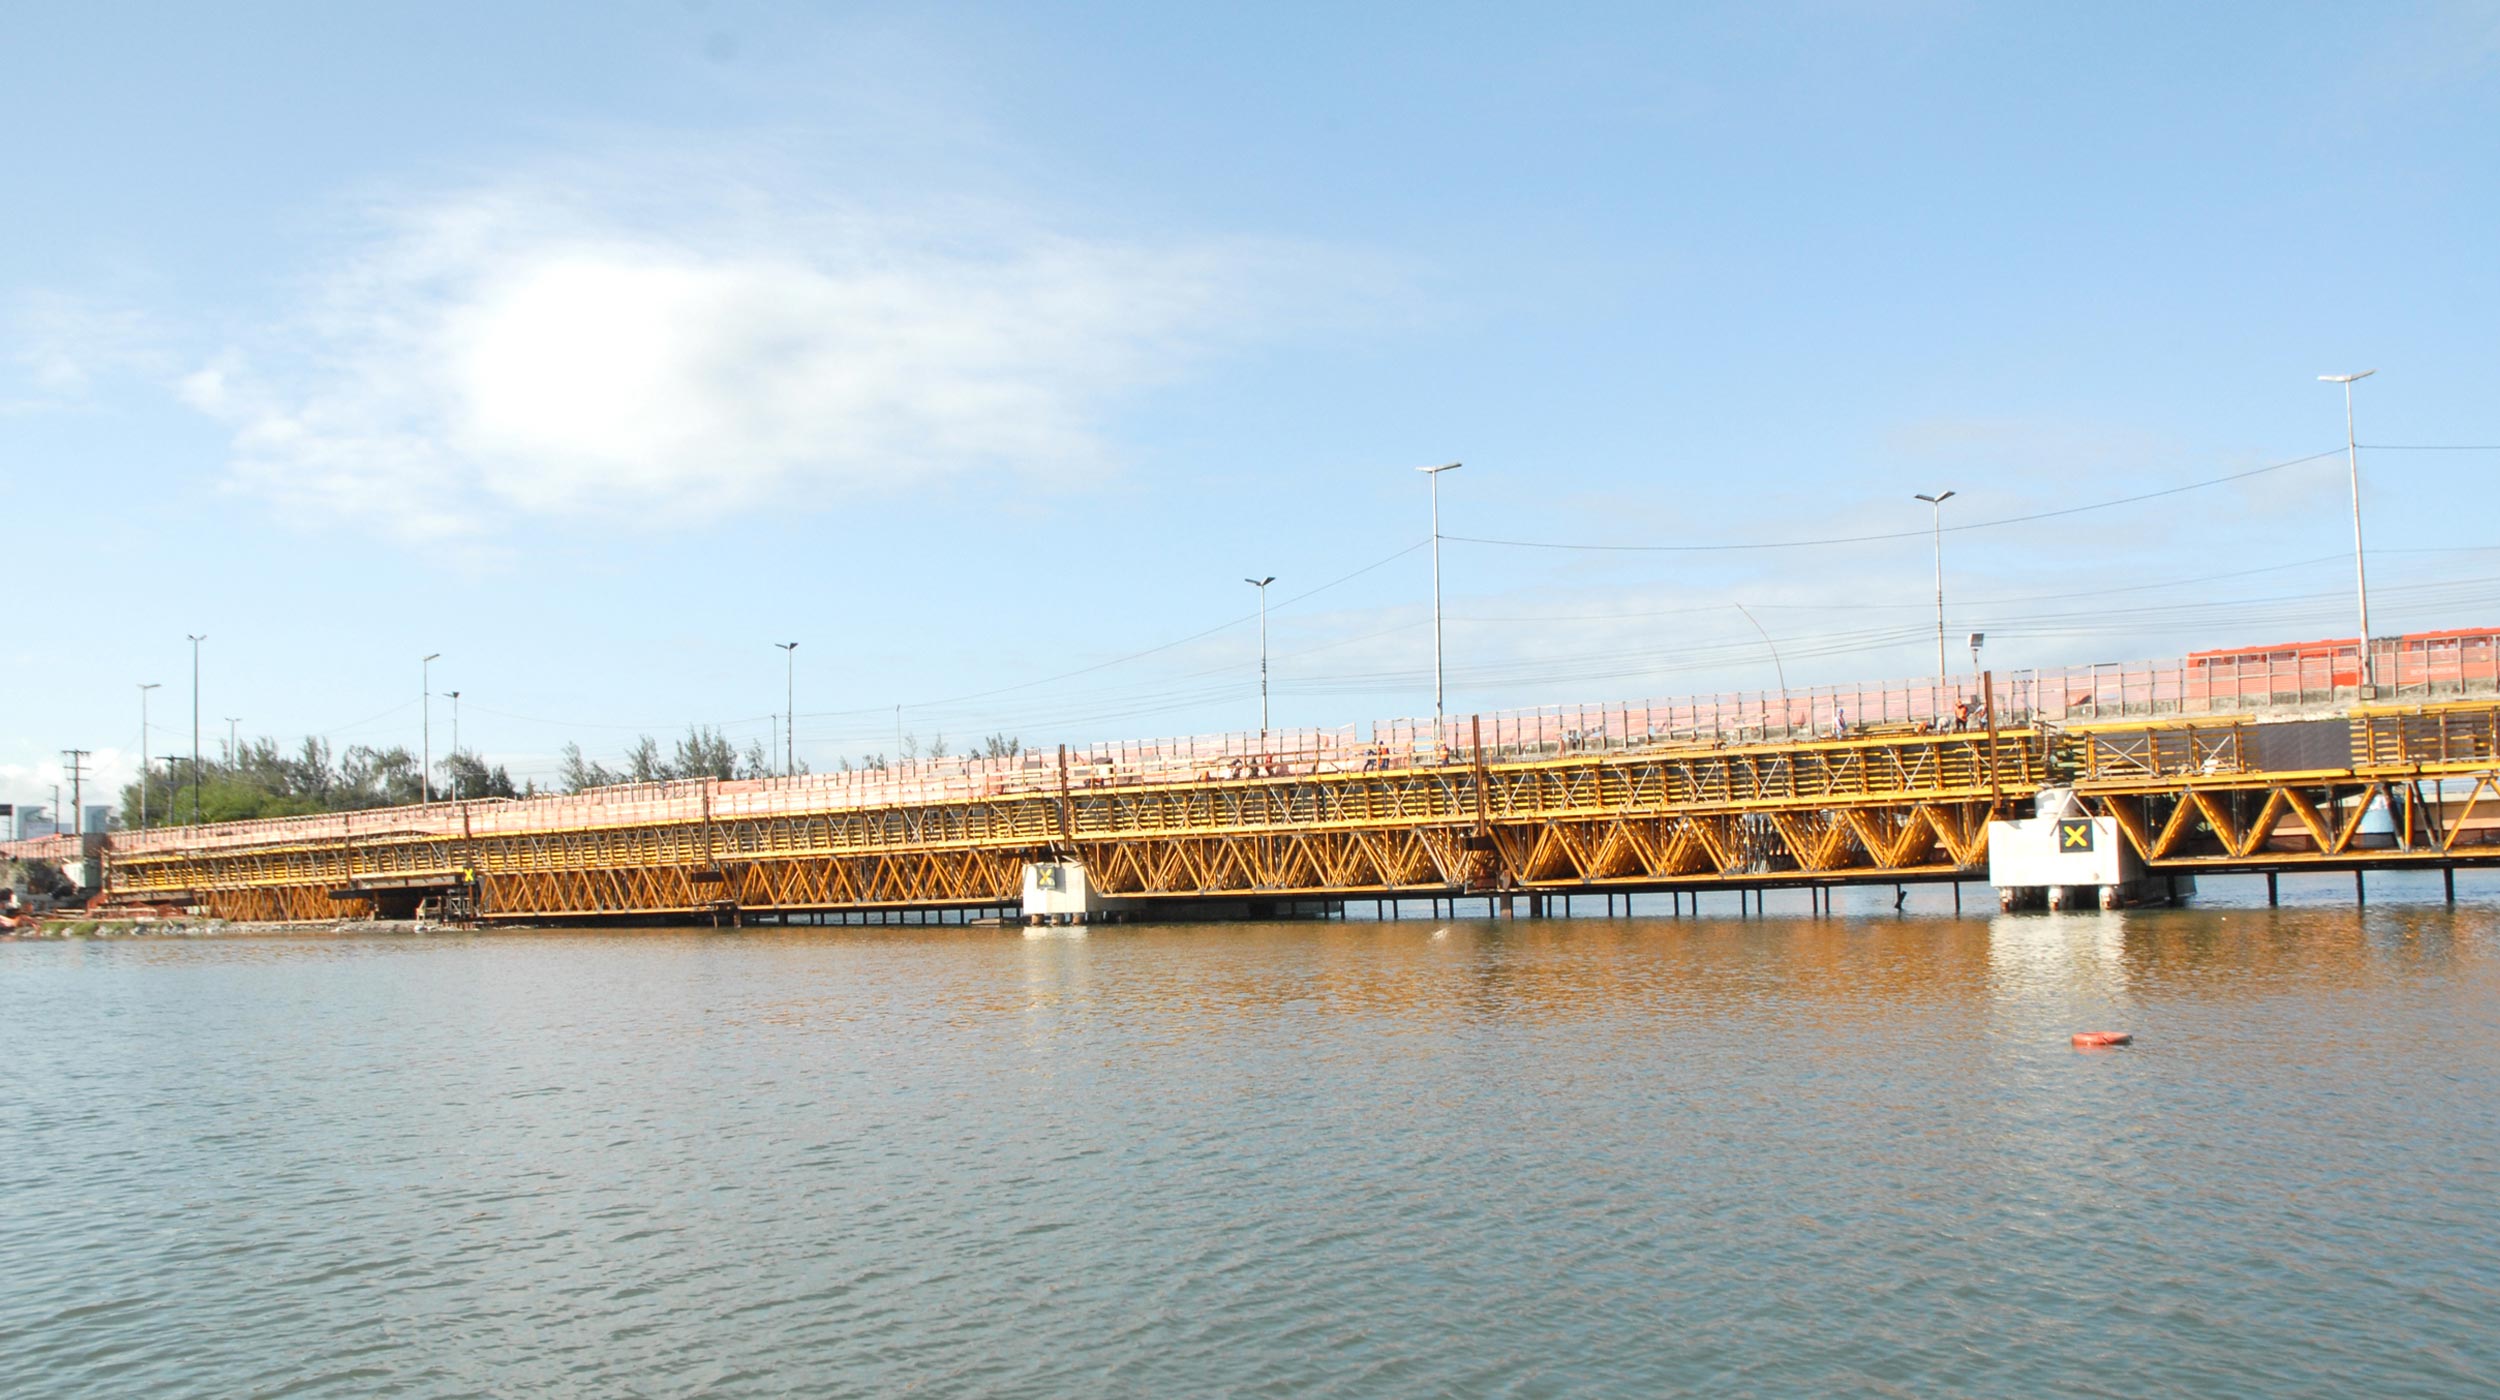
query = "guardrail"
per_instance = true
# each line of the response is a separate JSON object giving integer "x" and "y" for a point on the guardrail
{"x": 46, "y": 848}
{"x": 2163, "y": 752}
{"x": 2422, "y": 667}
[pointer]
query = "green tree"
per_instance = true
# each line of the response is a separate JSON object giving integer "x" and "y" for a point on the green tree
{"x": 577, "y": 774}
{"x": 643, "y": 763}
{"x": 375, "y": 777}
{"x": 260, "y": 780}
{"x": 704, "y": 753}
{"x": 466, "y": 775}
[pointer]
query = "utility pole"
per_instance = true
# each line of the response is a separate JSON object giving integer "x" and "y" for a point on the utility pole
{"x": 454, "y": 697}
{"x": 1261, "y": 585}
{"x": 898, "y": 736}
{"x": 195, "y": 726}
{"x": 234, "y": 740}
{"x": 2360, "y": 572}
{"x": 144, "y": 688}
{"x": 789, "y": 698}
{"x": 425, "y": 701}
{"x": 1437, "y": 705}
{"x": 70, "y": 759}
{"x": 1938, "y": 501}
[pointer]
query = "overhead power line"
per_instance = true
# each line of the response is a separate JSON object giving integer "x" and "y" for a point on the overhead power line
{"x": 339, "y": 729}
{"x": 1906, "y": 534}
{"x": 640, "y": 728}
{"x": 1715, "y": 608}
{"x": 1167, "y": 646}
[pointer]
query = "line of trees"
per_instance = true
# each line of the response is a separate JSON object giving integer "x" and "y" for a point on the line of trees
{"x": 704, "y": 753}
{"x": 261, "y": 780}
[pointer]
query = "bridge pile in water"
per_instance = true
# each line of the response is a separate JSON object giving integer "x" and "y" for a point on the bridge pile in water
{"x": 1586, "y": 812}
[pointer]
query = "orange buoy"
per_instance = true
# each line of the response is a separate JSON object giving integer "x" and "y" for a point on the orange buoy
{"x": 2101, "y": 1040}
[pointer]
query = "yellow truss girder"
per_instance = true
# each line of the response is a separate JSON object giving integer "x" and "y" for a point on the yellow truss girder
{"x": 1862, "y": 809}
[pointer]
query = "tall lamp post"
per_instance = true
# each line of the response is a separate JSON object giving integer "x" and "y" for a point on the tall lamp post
{"x": 1261, "y": 585}
{"x": 2360, "y": 573}
{"x": 1437, "y": 707}
{"x": 790, "y": 704}
{"x": 144, "y": 688}
{"x": 425, "y": 705}
{"x": 1938, "y": 501}
{"x": 195, "y": 726}
{"x": 1776, "y": 668}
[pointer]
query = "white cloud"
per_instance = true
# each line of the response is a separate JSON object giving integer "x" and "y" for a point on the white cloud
{"x": 505, "y": 352}
{"x": 105, "y": 771}
{"x": 61, "y": 347}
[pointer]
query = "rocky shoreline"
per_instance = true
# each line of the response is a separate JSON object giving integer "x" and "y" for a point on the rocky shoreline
{"x": 63, "y": 927}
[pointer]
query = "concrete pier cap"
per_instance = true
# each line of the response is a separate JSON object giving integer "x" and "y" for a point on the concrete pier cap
{"x": 2063, "y": 857}
{"x": 1058, "y": 892}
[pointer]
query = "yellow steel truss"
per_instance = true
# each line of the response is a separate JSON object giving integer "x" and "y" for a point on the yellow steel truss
{"x": 1892, "y": 807}
{"x": 1904, "y": 805}
{"x": 2188, "y": 795}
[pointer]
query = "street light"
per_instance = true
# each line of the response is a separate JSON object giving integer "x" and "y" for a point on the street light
{"x": 425, "y": 703}
{"x": 144, "y": 688}
{"x": 790, "y": 699}
{"x": 1261, "y": 585}
{"x": 195, "y": 725}
{"x": 1776, "y": 667}
{"x": 1435, "y": 474}
{"x": 1938, "y": 501}
{"x": 2360, "y": 574}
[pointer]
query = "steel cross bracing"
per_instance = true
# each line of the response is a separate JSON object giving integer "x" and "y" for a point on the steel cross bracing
{"x": 2191, "y": 796}
{"x": 2186, "y": 795}
{"x": 1866, "y": 808}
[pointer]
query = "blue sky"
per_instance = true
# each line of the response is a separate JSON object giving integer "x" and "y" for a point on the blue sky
{"x": 598, "y": 348}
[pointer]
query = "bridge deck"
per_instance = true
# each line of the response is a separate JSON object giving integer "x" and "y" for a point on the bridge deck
{"x": 2203, "y": 794}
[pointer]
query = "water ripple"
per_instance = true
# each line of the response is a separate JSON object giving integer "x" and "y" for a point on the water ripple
{"x": 1630, "y": 1157}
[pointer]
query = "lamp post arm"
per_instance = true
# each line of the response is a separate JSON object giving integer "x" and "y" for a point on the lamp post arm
{"x": 1776, "y": 668}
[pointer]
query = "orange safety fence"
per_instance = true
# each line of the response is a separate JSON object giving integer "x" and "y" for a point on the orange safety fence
{"x": 2424, "y": 665}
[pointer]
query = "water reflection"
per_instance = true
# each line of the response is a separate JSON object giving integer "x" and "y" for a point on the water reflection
{"x": 2062, "y": 955}
{"x": 1629, "y": 1156}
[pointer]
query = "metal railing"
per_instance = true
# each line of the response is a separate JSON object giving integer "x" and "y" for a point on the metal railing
{"x": 2421, "y": 667}
{"x": 2163, "y": 752}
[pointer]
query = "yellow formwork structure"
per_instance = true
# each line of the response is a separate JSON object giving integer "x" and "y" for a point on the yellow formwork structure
{"x": 2186, "y": 794}
{"x": 2191, "y": 795}
{"x": 1902, "y": 806}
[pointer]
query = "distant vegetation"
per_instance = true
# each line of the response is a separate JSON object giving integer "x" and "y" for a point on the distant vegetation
{"x": 263, "y": 781}
{"x": 260, "y": 780}
{"x": 704, "y": 753}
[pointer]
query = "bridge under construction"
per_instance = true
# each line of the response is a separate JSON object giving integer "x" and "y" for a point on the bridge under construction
{"x": 2193, "y": 770}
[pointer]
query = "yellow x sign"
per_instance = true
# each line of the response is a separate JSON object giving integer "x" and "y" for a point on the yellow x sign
{"x": 2075, "y": 835}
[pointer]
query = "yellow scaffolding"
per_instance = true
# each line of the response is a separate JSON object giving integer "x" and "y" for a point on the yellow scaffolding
{"x": 1887, "y": 807}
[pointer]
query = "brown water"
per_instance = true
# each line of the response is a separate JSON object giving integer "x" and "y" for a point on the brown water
{"x": 1629, "y": 1157}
